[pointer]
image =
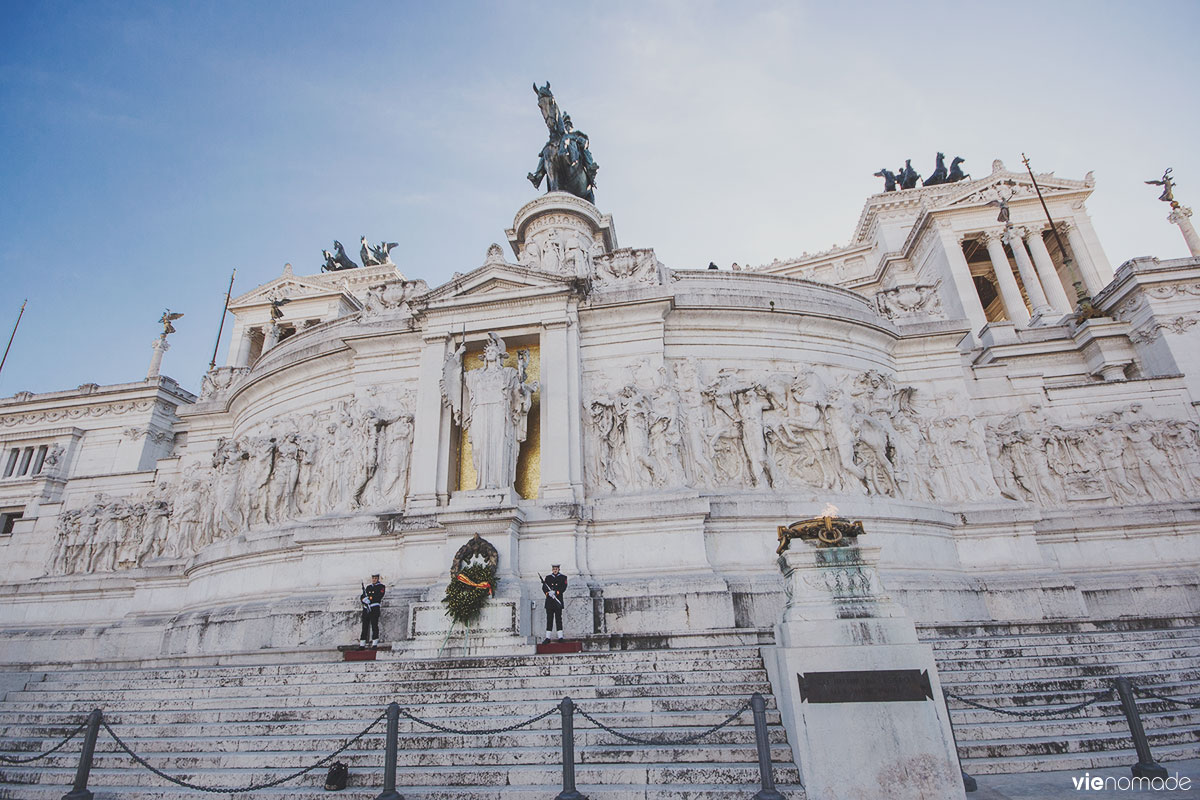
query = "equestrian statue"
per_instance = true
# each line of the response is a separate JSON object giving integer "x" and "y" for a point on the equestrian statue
{"x": 565, "y": 161}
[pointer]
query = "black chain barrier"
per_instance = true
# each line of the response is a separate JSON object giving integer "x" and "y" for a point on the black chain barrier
{"x": 1044, "y": 712}
{"x": 482, "y": 731}
{"x": 56, "y": 748}
{"x": 1177, "y": 700}
{"x": 685, "y": 740}
{"x": 253, "y": 787}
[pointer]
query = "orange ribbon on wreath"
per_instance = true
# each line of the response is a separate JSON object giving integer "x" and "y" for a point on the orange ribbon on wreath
{"x": 464, "y": 579}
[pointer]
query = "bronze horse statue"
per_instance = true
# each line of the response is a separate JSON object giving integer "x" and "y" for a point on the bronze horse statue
{"x": 565, "y": 161}
{"x": 939, "y": 172}
{"x": 956, "y": 173}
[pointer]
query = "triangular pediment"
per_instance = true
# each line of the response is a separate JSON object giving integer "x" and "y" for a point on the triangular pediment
{"x": 496, "y": 281}
{"x": 286, "y": 287}
{"x": 1017, "y": 186}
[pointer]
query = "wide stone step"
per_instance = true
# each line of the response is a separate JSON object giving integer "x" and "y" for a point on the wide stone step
{"x": 1079, "y": 683}
{"x": 696, "y": 708}
{"x": 386, "y": 684}
{"x": 567, "y": 664}
{"x": 144, "y": 739}
{"x": 1094, "y": 743}
{"x": 1117, "y": 663}
{"x": 610, "y": 792}
{"x": 419, "y": 754}
{"x": 1064, "y": 638}
{"x": 470, "y": 667}
{"x": 339, "y": 729}
{"x": 547, "y": 775}
{"x": 1071, "y": 761}
{"x": 1113, "y": 722}
{"x": 535, "y": 695}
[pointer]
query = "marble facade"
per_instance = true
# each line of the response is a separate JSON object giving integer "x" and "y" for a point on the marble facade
{"x": 1011, "y": 458}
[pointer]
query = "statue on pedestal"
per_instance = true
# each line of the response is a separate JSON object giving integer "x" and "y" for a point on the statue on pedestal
{"x": 1168, "y": 184}
{"x": 492, "y": 404}
{"x": 565, "y": 161}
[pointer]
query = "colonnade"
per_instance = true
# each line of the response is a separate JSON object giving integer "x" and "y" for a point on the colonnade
{"x": 1044, "y": 287}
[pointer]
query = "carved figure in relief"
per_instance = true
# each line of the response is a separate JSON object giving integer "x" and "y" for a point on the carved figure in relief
{"x": 1120, "y": 457}
{"x": 281, "y": 503}
{"x": 603, "y": 461}
{"x": 909, "y": 300}
{"x": 497, "y": 402}
{"x": 316, "y": 463}
{"x": 391, "y": 296}
{"x": 633, "y": 411}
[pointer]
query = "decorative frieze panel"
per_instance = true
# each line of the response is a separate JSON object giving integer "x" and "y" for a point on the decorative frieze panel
{"x": 780, "y": 429}
{"x": 352, "y": 456}
{"x": 1120, "y": 457}
{"x": 910, "y": 302}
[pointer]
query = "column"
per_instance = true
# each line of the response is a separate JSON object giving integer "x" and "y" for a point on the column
{"x": 1033, "y": 285}
{"x": 272, "y": 337}
{"x": 1087, "y": 270}
{"x": 1041, "y": 256}
{"x": 1180, "y": 216}
{"x": 432, "y": 429}
{"x": 239, "y": 349}
{"x": 160, "y": 346}
{"x": 1010, "y": 293}
{"x": 556, "y": 413}
{"x": 960, "y": 275}
{"x": 1051, "y": 284}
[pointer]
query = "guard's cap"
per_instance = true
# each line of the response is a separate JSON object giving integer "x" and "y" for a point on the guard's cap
{"x": 552, "y": 566}
{"x": 374, "y": 574}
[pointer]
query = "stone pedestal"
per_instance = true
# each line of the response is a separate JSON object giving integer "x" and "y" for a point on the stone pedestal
{"x": 1181, "y": 216}
{"x": 859, "y": 694}
{"x": 503, "y": 625}
{"x": 559, "y": 233}
{"x": 160, "y": 346}
{"x": 496, "y": 632}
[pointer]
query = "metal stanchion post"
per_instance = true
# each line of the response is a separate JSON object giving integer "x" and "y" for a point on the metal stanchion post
{"x": 969, "y": 783}
{"x": 80, "y": 791}
{"x": 569, "y": 792}
{"x": 1146, "y": 766}
{"x": 759, "y": 707}
{"x": 389, "y": 758}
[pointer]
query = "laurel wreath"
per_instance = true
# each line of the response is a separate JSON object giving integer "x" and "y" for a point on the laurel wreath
{"x": 465, "y": 602}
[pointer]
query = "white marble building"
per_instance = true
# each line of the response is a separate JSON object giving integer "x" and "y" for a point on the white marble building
{"x": 1013, "y": 459}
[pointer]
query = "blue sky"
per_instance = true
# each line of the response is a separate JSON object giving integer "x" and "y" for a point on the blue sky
{"x": 151, "y": 147}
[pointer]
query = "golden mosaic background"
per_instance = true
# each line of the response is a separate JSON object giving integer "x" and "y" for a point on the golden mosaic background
{"x": 529, "y": 460}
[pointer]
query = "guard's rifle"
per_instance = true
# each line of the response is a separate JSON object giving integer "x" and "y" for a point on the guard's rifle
{"x": 363, "y": 597}
{"x": 546, "y": 590}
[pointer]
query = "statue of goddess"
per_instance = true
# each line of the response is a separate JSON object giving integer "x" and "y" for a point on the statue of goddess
{"x": 494, "y": 410}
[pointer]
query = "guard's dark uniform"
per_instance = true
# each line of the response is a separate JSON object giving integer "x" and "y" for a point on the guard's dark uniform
{"x": 557, "y": 585}
{"x": 372, "y": 601}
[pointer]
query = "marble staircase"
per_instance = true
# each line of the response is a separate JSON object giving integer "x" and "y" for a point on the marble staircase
{"x": 231, "y": 726}
{"x": 1024, "y": 668}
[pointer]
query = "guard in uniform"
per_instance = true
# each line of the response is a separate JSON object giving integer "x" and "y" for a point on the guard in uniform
{"x": 554, "y": 586}
{"x": 372, "y": 602}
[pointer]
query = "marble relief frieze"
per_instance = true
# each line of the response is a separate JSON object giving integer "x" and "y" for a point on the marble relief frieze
{"x": 353, "y": 456}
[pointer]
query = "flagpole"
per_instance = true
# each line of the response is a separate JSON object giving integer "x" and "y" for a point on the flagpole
{"x": 1053, "y": 227}
{"x": 20, "y": 314}
{"x": 221, "y": 327}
